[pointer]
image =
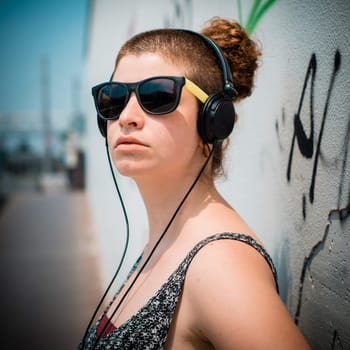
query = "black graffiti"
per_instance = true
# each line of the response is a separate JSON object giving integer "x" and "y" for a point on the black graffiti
{"x": 334, "y": 214}
{"x": 307, "y": 262}
{"x": 336, "y": 343}
{"x": 345, "y": 212}
{"x": 309, "y": 146}
{"x": 306, "y": 142}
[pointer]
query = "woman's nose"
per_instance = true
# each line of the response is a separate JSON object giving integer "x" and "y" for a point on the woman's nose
{"x": 132, "y": 114}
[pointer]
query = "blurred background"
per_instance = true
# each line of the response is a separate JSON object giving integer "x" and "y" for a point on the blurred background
{"x": 49, "y": 277}
{"x": 62, "y": 231}
{"x": 42, "y": 115}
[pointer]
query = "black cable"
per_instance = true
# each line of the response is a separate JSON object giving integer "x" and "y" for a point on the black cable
{"x": 124, "y": 251}
{"x": 161, "y": 237}
{"x": 153, "y": 249}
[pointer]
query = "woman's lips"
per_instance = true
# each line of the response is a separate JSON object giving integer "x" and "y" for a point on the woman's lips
{"x": 129, "y": 143}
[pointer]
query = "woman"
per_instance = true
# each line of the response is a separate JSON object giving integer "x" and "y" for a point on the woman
{"x": 204, "y": 281}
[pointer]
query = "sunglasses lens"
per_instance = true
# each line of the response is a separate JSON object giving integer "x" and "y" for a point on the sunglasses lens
{"x": 159, "y": 95}
{"x": 111, "y": 99}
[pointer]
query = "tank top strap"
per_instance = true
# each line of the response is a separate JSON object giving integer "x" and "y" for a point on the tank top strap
{"x": 237, "y": 237}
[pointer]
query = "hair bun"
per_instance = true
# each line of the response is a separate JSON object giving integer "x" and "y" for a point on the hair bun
{"x": 241, "y": 52}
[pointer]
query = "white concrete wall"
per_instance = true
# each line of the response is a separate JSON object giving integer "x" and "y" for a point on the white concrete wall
{"x": 302, "y": 94}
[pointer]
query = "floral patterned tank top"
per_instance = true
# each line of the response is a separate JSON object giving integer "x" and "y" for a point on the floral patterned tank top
{"x": 148, "y": 328}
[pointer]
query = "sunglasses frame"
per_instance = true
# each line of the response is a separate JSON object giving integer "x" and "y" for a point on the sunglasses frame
{"x": 180, "y": 82}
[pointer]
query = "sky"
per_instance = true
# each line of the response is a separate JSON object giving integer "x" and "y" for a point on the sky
{"x": 36, "y": 31}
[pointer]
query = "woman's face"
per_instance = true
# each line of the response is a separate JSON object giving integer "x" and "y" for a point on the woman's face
{"x": 155, "y": 146}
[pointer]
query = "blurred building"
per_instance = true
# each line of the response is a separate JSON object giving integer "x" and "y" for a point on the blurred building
{"x": 32, "y": 159}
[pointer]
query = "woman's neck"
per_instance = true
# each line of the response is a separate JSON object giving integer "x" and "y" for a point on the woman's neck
{"x": 162, "y": 199}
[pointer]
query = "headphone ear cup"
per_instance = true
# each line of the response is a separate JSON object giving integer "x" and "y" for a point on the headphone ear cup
{"x": 216, "y": 118}
{"x": 102, "y": 126}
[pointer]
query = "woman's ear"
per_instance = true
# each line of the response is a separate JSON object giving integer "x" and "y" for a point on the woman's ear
{"x": 205, "y": 148}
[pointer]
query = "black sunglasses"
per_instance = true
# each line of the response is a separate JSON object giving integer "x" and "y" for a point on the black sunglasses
{"x": 155, "y": 95}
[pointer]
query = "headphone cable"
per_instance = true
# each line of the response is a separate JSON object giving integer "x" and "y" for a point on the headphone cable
{"x": 159, "y": 239}
{"x": 127, "y": 236}
{"x": 127, "y": 240}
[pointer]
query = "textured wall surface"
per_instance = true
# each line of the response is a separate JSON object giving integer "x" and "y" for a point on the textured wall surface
{"x": 288, "y": 167}
{"x": 309, "y": 152}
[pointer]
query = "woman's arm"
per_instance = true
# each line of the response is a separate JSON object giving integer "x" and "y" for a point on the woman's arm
{"x": 232, "y": 294}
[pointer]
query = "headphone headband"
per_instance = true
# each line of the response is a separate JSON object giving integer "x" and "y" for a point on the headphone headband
{"x": 229, "y": 88}
{"x": 217, "y": 115}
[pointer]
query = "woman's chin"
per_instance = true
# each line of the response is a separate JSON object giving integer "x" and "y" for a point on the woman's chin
{"x": 132, "y": 169}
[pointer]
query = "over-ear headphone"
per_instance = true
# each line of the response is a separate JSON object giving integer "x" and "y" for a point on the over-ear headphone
{"x": 217, "y": 115}
{"x": 102, "y": 126}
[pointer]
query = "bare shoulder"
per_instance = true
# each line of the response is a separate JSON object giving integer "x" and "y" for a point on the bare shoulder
{"x": 231, "y": 263}
{"x": 232, "y": 295}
